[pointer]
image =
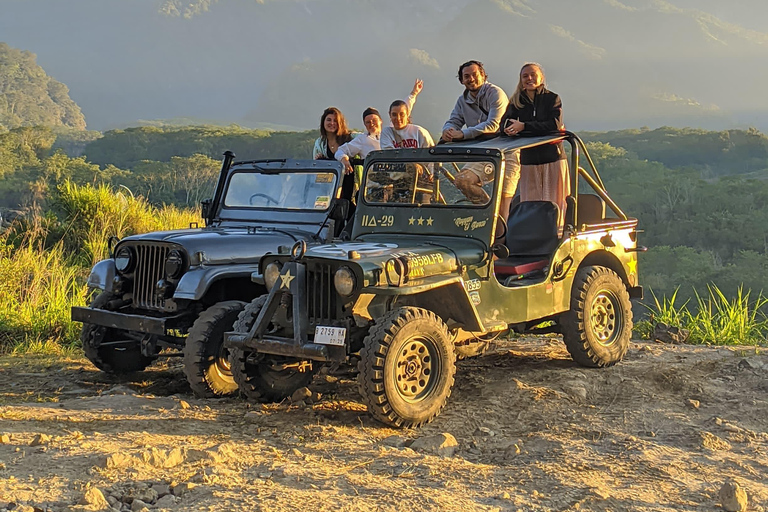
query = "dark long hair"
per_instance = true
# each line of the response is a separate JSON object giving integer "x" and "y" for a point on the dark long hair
{"x": 342, "y": 133}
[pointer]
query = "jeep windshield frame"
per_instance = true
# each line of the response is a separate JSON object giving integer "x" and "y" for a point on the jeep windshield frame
{"x": 287, "y": 204}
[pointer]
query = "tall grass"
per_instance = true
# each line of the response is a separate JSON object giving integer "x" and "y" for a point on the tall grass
{"x": 45, "y": 261}
{"x": 716, "y": 319}
{"x": 94, "y": 213}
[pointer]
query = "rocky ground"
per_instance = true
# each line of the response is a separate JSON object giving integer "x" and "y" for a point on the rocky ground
{"x": 525, "y": 429}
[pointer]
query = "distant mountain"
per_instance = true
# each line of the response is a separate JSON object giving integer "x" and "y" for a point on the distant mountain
{"x": 616, "y": 63}
{"x": 28, "y": 96}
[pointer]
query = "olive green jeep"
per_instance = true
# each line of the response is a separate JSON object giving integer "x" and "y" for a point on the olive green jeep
{"x": 429, "y": 275}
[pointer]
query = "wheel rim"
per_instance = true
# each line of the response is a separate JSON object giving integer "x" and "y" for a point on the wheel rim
{"x": 222, "y": 364}
{"x": 416, "y": 369}
{"x": 606, "y": 319}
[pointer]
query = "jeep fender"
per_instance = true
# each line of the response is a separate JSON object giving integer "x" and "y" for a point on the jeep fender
{"x": 195, "y": 283}
{"x": 447, "y": 298}
{"x": 102, "y": 276}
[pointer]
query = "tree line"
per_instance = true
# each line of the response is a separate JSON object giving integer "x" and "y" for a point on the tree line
{"x": 699, "y": 195}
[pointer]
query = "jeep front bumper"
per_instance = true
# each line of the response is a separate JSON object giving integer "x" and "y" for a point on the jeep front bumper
{"x": 137, "y": 323}
{"x": 281, "y": 347}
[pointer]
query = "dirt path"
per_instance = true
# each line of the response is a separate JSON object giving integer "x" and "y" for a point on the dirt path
{"x": 661, "y": 431}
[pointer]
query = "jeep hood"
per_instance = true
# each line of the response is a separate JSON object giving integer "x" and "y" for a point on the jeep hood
{"x": 214, "y": 246}
{"x": 418, "y": 259}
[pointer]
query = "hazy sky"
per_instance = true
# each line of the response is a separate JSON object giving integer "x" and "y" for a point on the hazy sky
{"x": 615, "y": 63}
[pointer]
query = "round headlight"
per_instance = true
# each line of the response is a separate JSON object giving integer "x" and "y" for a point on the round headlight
{"x": 345, "y": 281}
{"x": 271, "y": 273}
{"x": 174, "y": 264}
{"x": 124, "y": 260}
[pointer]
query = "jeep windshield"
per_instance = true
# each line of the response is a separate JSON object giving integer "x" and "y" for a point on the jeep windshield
{"x": 426, "y": 183}
{"x": 290, "y": 190}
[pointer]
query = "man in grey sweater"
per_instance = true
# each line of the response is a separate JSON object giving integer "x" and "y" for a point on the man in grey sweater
{"x": 478, "y": 111}
{"x": 480, "y": 107}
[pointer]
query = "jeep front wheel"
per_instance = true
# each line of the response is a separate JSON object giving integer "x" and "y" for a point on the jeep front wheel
{"x": 206, "y": 361}
{"x": 598, "y": 326}
{"x": 263, "y": 377}
{"x": 111, "y": 350}
{"x": 407, "y": 366}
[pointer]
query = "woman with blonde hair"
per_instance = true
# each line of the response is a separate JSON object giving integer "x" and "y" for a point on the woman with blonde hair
{"x": 534, "y": 110}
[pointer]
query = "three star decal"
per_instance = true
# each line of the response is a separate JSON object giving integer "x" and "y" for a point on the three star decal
{"x": 420, "y": 221}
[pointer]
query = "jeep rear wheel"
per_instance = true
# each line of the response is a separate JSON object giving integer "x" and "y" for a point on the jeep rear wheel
{"x": 407, "y": 366}
{"x": 264, "y": 377}
{"x": 598, "y": 326}
{"x": 120, "y": 358}
{"x": 206, "y": 361}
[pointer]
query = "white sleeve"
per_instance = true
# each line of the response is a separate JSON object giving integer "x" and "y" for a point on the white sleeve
{"x": 410, "y": 101}
{"x": 426, "y": 138}
{"x": 349, "y": 149}
{"x": 387, "y": 138}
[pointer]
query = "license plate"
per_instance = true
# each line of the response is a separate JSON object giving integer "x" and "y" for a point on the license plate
{"x": 330, "y": 335}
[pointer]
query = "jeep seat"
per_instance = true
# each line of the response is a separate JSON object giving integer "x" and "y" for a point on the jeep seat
{"x": 531, "y": 238}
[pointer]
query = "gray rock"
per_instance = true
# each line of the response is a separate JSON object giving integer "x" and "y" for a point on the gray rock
{"x": 395, "y": 441}
{"x": 733, "y": 497}
{"x": 749, "y": 364}
{"x": 138, "y": 505}
{"x": 121, "y": 390}
{"x": 166, "y": 501}
{"x": 95, "y": 499}
{"x": 40, "y": 439}
{"x": 113, "y": 501}
{"x": 161, "y": 490}
{"x": 182, "y": 488}
{"x": 485, "y": 432}
{"x": 443, "y": 444}
{"x": 144, "y": 494}
{"x": 669, "y": 334}
{"x": 301, "y": 394}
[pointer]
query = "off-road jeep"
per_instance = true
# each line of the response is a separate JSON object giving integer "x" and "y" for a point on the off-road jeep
{"x": 425, "y": 278}
{"x": 184, "y": 289}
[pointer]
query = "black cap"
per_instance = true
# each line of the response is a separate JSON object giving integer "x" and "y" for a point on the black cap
{"x": 369, "y": 111}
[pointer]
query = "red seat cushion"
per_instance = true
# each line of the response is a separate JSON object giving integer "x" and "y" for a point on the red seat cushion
{"x": 514, "y": 269}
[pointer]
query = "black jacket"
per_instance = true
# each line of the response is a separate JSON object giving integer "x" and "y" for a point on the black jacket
{"x": 542, "y": 116}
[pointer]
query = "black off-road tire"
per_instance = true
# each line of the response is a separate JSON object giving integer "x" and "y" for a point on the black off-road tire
{"x": 109, "y": 359}
{"x": 407, "y": 367}
{"x": 255, "y": 375}
{"x": 206, "y": 361}
{"x": 598, "y": 326}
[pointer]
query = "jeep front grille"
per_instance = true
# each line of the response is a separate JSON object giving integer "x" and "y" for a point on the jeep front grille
{"x": 322, "y": 299}
{"x": 150, "y": 265}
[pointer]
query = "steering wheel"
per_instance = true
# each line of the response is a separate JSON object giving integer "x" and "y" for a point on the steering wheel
{"x": 269, "y": 198}
{"x": 503, "y": 224}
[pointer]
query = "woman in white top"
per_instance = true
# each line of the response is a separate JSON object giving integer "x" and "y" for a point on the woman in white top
{"x": 402, "y": 133}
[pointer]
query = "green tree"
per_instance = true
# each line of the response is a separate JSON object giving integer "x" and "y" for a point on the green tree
{"x": 29, "y": 97}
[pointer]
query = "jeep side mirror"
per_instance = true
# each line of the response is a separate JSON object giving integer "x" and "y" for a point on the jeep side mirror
{"x": 339, "y": 214}
{"x": 340, "y": 210}
{"x": 205, "y": 207}
{"x": 500, "y": 250}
